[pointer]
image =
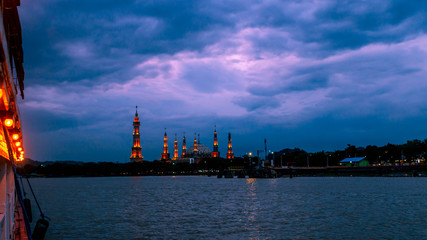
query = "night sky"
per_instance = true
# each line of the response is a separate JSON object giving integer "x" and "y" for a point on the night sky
{"x": 317, "y": 75}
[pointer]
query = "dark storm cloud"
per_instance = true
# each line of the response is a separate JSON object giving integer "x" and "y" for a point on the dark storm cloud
{"x": 258, "y": 68}
{"x": 73, "y": 41}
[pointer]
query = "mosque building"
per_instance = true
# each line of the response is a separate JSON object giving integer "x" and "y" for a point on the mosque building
{"x": 198, "y": 151}
{"x": 192, "y": 154}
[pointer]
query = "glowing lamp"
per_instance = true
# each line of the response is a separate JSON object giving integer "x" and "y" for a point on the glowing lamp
{"x": 18, "y": 144}
{"x": 8, "y": 122}
{"x": 20, "y": 149}
{"x": 15, "y": 136}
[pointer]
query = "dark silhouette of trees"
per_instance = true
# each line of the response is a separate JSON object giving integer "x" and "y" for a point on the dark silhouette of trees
{"x": 388, "y": 154}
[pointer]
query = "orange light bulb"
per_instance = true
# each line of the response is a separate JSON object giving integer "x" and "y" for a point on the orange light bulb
{"x": 8, "y": 122}
{"x": 15, "y": 136}
{"x": 20, "y": 149}
{"x": 18, "y": 144}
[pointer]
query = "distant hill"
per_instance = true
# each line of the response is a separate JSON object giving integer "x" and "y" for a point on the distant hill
{"x": 70, "y": 162}
{"x": 29, "y": 161}
{"x": 32, "y": 162}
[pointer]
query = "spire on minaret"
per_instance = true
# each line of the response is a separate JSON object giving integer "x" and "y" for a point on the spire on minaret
{"x": 198, "y": 141}
{"x": 184, "y": 147}
{"x": 215, "y": 152}
{"x": 230, "y": 154}
{"x": 136, "y": 149}
{"x": 165, "y": 154}
{"x": 175, "y": 152}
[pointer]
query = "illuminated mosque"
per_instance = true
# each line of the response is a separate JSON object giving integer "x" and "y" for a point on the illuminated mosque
{"x": 192, "y": 154}
{"x": 196, "y": 152}
{"x": 136, "y": 149}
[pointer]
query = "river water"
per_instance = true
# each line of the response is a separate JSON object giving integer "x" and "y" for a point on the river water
{"x": 198, "y": 207}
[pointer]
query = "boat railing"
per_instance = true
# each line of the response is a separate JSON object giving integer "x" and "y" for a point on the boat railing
{"x": 7, "y": 194}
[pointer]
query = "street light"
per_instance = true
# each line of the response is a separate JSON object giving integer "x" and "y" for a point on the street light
{"x": 272, "y": 159}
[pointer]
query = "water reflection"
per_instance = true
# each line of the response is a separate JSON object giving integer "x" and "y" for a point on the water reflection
{"x": 251, "y": 208}
{"x": 251, "y": 186}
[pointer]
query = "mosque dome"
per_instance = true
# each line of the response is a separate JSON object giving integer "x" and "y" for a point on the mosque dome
{"x": 202, "y": 150}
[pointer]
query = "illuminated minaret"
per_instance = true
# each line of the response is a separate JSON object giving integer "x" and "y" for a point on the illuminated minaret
{"x": 184, "y": 147}
{"x": 195, "y": 145}
{"x": 215, "y": 152}
{"x": 136, "y": 149}
{"x": 165, "y": 154}
{"x": 230, "y": 154}
{"x": 175, "y": 152}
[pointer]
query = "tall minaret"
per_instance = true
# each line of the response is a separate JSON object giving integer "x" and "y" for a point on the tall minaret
{"x": 195, "y": 145}
{"x": 184, "y": 147}
{"x": 215, "y": 152}
{"x": 165, "y": 154}
{"x": 136, "y": 149}
{"x": 175, "y": 152}
{"x": 230, "y": 154}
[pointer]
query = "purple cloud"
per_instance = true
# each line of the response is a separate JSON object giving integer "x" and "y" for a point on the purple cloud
{"x": 258, "y": 69}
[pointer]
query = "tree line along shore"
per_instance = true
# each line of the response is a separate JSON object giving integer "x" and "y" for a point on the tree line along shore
{"x": 388, "y": 158}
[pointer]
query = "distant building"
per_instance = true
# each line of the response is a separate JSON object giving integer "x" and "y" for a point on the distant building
{"x": 279, "y": 158}
{"x": 355, "y": 161}
{"x": 136, "y": 149}
{"x": 196, "y": 152}
{"x": 203, "y": 151}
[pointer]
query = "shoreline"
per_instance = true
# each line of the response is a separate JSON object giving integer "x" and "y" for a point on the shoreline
{"x": 336, "y": 171}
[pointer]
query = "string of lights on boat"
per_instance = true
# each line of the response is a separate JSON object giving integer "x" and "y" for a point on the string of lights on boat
{"x": 13, "y": 127}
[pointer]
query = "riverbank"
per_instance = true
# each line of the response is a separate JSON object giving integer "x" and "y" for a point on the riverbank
{"x": 369, "y": 171}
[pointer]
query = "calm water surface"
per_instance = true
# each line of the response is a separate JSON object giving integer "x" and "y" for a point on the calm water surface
{"x": 210, "y": 208}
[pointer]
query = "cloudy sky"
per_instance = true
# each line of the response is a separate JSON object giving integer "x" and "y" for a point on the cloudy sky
{"x": 317, "y": 75}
